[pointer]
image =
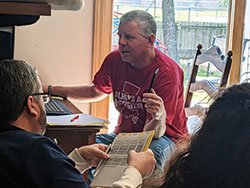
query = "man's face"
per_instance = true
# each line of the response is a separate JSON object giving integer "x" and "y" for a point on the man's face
{"x": 42, "y": 120}
{"x": 132, "y": 45}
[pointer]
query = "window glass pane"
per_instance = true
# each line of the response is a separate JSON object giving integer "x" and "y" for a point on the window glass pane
{"x": 245, "y": 65}
{"x": 181, "y": 26}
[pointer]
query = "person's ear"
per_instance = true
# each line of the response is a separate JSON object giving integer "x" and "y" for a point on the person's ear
{"x": 151, "y": 39}
{"x": 32, "y": 106}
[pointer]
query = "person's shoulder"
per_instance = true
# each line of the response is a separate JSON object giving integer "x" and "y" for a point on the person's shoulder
{"x": 164, "y": 58}
{"x": 26, "y": 144}
{"x": 20, "y": 134}
{"x": 113, "y": 59}
{"x": 30, "y": 135}
{"x": 166, "y": 62}
{"x": 114, "y": 54}
{"x": 30, "y": 140}
{"x": 41, "y": 141}
{"x": 43, "y": 148}
{"x": 169, "y": 69}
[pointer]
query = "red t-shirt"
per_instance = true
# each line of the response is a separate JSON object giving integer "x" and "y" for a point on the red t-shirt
{"x": 128, "y": 84}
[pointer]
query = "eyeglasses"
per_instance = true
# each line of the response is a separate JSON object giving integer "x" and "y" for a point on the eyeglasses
{"x": 46, "y": 97}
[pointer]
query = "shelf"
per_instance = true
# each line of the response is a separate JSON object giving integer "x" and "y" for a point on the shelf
{"x": 25, "y": 8}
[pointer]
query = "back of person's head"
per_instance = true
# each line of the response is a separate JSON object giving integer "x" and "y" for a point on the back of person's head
{"x": 18, "y": 80}
{"x": 219, "y": 153}
{"x": 146, "y": 21}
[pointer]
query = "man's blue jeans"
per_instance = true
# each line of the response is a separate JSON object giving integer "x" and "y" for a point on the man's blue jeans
{"x": 162, "y": 147}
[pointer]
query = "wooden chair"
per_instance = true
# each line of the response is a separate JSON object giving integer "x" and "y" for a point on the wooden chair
{"x": 215, "y": 56}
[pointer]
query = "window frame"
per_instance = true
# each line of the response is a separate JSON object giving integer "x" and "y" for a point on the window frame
{"x": 102, "y": 40}
{"x": 103, "y": 16}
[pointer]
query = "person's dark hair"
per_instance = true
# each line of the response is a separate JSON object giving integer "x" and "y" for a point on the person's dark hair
{"x": 219, "y": 153}
{"x": 146, "y": 21}
{"x": 18, "y": 80}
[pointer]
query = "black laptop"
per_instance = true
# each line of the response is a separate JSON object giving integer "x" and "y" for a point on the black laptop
{"x": 56, "y": 107}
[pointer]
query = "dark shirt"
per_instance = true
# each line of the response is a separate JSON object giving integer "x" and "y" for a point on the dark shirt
{"x": 31, "y": 160}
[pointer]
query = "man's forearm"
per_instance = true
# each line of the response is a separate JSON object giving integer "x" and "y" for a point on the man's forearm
{"x": 131, "y": 178}
{"x": 86, "y": 93}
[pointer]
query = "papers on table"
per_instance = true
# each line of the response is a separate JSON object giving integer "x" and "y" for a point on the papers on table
{"x": 76, "y": 119}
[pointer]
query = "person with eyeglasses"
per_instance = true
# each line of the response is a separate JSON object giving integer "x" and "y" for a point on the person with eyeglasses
{"x": 46, "y": 97}
{"x": 29, "y": 159}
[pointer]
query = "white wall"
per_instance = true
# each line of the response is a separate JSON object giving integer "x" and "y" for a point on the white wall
{"x": 60, "y": 46}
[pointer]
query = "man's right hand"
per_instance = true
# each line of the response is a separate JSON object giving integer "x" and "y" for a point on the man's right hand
{"x": 144, "y": 162}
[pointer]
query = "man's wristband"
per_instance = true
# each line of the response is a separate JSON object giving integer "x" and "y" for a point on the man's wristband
{"x": 49, "y": 90}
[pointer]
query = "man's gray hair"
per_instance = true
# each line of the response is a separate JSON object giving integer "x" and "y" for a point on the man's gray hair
{"x": 146, "y": 21}
{"x": 18, "y": 80}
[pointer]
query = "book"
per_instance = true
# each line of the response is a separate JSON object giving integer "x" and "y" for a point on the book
{"x": 76, "y": 120}
{"x": 111, "y": 170}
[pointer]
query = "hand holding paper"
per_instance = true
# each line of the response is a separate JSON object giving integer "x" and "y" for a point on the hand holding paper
{"x": 120, "y": 157}
{"x": 93, "y": 153}
{"x": 144, "y": 162}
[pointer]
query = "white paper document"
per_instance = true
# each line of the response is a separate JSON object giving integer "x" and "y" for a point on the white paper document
{"x": 76, "y": 119}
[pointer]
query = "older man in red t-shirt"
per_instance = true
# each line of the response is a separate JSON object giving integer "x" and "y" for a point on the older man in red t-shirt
{"x": 127, "y": 74}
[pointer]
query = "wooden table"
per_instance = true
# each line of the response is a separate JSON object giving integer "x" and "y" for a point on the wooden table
{"x": 70, "y": 137}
